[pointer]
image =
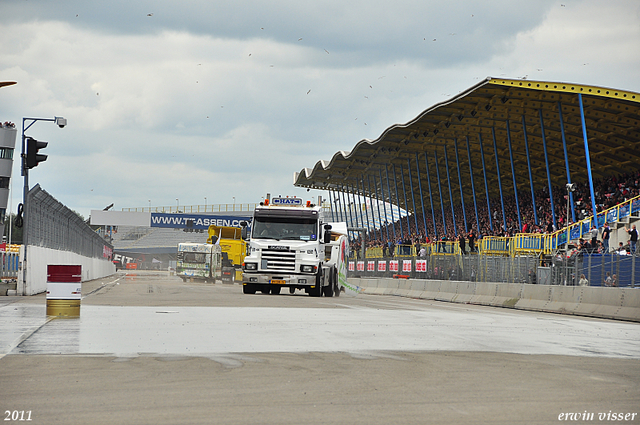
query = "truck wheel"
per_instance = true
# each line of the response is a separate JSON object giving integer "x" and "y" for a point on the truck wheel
{"x": 275, "y": 290}
{"x": 248, "y": 289}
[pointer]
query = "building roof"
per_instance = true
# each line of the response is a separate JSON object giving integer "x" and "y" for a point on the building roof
{"x": 494, "y": 106}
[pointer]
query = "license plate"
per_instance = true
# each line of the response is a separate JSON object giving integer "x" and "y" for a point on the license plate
{"x": 279, "y": 282}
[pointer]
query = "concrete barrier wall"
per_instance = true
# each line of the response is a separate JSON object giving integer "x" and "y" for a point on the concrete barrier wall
{"x": 39, "y": 258}
{"x": 611, "y": 303}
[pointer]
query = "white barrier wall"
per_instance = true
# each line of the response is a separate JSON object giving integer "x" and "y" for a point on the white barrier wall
{"x": 595, "y": 301}
{"x": 39, "y": 258}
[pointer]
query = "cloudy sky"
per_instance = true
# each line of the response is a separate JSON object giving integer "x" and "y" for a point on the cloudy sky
{"x": 209, "y": 99}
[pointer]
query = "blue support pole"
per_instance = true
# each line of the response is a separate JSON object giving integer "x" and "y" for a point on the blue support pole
{"x": 486, "y": 186}
{"x": 433, "y": 214}
{"x": 424, "y": 217}
{"x": 453, "y": 212}
{"x": 393, "y": 220}
{"x": 355, "y": 205}
{"x": 464, "y": 212}
{"x": 406, "y": 204}
{"x": 395, "y": 182}
{"x": 336, "y": 201}
{"x": 444, "y": 223}
{"x": 373, "y": 216}
{"x": 495, "y": 150}
{"x": 330, "y": 203}
{"x": 366, "y": 208}
{"x": 473, "y": 189}
{"x": 588, "y": 158}
{"x": 526, "y": 146}
{"x": 384, "y": 206}
{"x": 347, "y": 215}
{"x": 566, "y": 161}
{"x": 413, "y": 198}
{"x": 513, "y": 174}
{"x": 546, "y": 161}
{"x": 375, "y": 185}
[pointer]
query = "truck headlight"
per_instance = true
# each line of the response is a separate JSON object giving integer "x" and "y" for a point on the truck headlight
{"x": 308, "y": 269}
{"x": 251, "y": 266}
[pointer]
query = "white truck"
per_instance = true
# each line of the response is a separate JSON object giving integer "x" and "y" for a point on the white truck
{"x": 291, "y": 245}
{"x": 199, "y": 261}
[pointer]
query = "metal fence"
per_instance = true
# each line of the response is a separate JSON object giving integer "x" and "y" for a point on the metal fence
{"x": 9, "y": 262}
{"x": 52, "y": 225}
{"x": 496, "y": 268}
{"x": 611, "y": 269}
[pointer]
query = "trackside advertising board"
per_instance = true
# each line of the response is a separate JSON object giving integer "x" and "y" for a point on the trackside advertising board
{"x": 168, "y": 220}
{"x": 195, "y": 221}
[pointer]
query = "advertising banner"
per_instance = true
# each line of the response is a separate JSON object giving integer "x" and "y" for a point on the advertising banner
{"x": 195, "y": 221}
{"x": 406, "y": 265}
{"x": 393, "y": 265}
{"x": 351, "y": 266}
{"x": 382, "y": 266}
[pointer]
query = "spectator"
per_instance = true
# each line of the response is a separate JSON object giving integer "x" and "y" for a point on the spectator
{"x": 462, "y": 242}
{"x": 594, "y": 236}
{"x": 606, "y": 232}
{"x": 472, "y": 241}
{"x": 633, "y": 238}
{"x": 608, "y": 281}
{"x": 583, "y": 281}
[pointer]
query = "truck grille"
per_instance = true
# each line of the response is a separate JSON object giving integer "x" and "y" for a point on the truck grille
{"x": 279, "y": 260}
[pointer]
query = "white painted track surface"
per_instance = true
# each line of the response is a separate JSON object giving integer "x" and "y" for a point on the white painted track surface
{"x": 345, "y": 324}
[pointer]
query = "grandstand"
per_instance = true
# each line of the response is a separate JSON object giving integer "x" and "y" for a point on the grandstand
{"x": 545, "y": 155}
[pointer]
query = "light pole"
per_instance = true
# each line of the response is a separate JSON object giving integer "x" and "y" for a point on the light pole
{"x": 205, "y": 204}
{"x": 61, "y": 122}
{"x": 177, "y": 205}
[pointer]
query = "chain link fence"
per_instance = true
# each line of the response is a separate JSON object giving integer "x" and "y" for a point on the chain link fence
{"x": 558, "y": 270}
{"x": 52, "y": 225}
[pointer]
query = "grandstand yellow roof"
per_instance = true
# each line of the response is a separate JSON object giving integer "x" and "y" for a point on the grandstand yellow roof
{"x": 498, "y": 106}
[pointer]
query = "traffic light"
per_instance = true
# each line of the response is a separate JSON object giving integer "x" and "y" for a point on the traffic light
{"x": 33, "y": 157}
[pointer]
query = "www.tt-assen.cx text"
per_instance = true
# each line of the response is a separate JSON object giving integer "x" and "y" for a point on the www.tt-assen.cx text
{"x": 591, "y": 416}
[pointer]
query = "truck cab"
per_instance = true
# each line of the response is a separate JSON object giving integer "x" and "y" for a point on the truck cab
{"x": 287, "y": 249}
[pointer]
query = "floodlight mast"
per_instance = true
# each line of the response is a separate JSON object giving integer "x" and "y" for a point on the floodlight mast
{"x": 60, "y": 122}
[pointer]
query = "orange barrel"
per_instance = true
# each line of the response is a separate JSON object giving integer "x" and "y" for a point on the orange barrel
{"x": 64, "y": 290}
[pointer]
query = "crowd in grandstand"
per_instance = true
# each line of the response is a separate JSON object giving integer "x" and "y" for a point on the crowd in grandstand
{"x": 410, "y": 230}
{"x": 7, "y": 124}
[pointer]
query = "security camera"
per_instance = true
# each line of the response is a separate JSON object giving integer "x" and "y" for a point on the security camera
{"x": 62, "y": 122}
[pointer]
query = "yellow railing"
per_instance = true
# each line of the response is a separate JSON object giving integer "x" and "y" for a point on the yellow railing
{"x": 527, "y": 243}
{"x": 554, "y": 241}
{"x": 494, "y": 245}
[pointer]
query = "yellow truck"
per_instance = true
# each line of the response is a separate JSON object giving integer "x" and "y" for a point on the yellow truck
{"x": 233, "y": 247}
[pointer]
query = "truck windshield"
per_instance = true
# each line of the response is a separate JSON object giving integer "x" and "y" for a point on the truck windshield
{"x": 302, "y": 229}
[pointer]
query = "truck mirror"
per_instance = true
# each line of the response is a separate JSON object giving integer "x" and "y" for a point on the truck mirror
{"x": 327, "y": 236}
{"x": 244, "y": 232}
{"x": 327, "y": 227}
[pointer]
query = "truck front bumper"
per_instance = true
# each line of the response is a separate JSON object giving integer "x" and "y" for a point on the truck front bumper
{"x": 279, "y": 279}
